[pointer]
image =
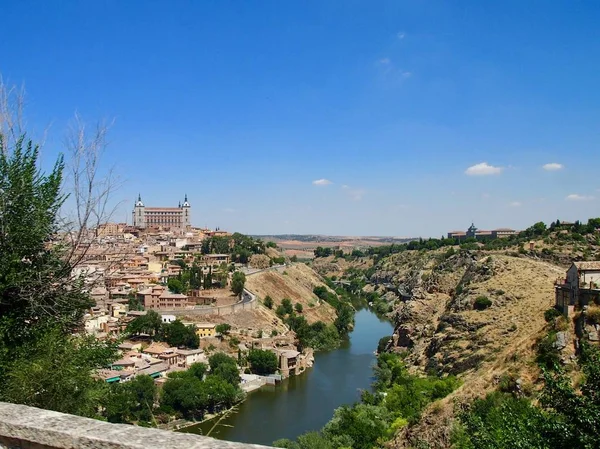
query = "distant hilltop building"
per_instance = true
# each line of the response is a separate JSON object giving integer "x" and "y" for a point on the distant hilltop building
{"x": 476, "y": 233}
{"x": 164, "y": 217}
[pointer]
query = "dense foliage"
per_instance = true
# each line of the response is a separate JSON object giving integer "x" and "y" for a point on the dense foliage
{"x": 238, "y": 281}
{"x": 240, "y": 247}
{"x": 566, "y": 417}
{"x": 192, "y": 393}
{"x": 263, "y": 362}
{"x": 130, "y": 402}
{"x": 399, "y": 398}
{"x": 175, "y": 333}
{"x": 41, "y": 305}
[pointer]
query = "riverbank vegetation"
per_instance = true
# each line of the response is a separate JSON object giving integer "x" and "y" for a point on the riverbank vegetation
{"x": 186, "y": 394}
{"x": 398, "y": 400}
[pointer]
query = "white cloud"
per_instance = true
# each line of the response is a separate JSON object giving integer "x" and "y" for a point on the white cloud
{"x": 229, "y": 210}
{"x": 515, "y": 204}
{"x": 401, "y": 35}
{"x": 322, "y": 182}
{"x": 553, "y": 166}
{"x": 485, "y": 196}
{"x": 355, "y": 194}
{"x": 577, "y": 197}
{"x": 483, "y": 169}
{"x": 405, "y": 74}
{"x": 385, "y": 61}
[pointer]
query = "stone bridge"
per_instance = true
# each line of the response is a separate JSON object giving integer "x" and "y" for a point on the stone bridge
{"x": 23, "y": 427}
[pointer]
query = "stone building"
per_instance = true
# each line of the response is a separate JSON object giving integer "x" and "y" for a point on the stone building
{"x": 163, "y": 217}
{"x": 473, "y": 232}
{"x": 580, "y": 287}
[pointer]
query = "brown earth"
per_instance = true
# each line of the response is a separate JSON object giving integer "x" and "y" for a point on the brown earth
{"x": 296, "y": 283}
{"x": 443, "y": 333}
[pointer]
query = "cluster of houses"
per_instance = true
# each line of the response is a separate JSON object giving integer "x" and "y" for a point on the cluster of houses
{"x": 156, "y": 361}
{"x": 110, "y": 322}
{"x": 579, "y": 288}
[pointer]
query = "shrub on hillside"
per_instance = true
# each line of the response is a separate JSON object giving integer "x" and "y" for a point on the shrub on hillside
{"x": 593, "y": 315}
{"x": 482, "y": 303}
{"x": 551, "y": 314}
{"x": 383, "y": 342}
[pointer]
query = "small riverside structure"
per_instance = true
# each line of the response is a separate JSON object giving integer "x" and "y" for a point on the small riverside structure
{"x": 23, "y": 427}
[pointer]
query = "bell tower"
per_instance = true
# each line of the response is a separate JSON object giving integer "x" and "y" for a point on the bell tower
{"x": 139, "y": 213}
{"x": 187, "y": 209}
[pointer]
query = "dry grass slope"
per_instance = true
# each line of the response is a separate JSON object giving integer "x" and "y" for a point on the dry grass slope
{"x": 296, "y": 283}
{"x": 481, "y": 346}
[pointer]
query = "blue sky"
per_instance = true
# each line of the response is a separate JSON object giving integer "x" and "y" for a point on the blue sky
{"x": 416, "y": 117}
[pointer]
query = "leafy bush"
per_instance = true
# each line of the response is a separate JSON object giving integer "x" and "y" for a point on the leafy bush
{"x": 383, "y": 342}
{"x": 501, "y": 421}
{"x": 263, "y": 362}
{"x": 268, "y": 302}
{"x": 482, "y": 303}
{"x": 551, "y": 314}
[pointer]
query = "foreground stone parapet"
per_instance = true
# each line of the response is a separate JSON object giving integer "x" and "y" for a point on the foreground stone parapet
{"x": 23, "y": 427}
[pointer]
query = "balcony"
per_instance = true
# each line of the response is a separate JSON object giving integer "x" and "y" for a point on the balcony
{"x": 23, "y": 427}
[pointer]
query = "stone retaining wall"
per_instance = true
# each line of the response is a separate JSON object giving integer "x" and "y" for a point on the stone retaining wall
{"x": 216, "y": 310}
{"x": 23, "y": 427}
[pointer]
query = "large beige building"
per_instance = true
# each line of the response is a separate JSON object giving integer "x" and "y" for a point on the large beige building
{"x": 164, "y": 217}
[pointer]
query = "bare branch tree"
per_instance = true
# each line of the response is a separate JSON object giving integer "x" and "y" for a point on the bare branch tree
{"x": 12, "y": 102}
{"x": 90, "y": 188}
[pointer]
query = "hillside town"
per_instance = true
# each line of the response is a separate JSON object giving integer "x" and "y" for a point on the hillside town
{"x": 164, "y": 266}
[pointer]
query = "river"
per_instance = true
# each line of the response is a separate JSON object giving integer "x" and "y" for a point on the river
{"x": 306, "y": 402}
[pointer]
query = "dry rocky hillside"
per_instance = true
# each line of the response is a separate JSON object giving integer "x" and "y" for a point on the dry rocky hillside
{"x": 444, "y": 331}
{"x": 296, "y": 282}
{"x": 436, "y": 297}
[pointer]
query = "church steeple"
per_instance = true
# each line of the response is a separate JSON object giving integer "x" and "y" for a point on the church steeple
{"x": 185, "y": 203}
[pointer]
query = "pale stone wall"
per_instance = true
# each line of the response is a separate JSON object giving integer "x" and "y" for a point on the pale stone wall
{"x": 23, "y": 427}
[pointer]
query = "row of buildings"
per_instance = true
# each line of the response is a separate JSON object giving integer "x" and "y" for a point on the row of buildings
{"x": 473, "y": 232}
{"x": 156, "y": 360}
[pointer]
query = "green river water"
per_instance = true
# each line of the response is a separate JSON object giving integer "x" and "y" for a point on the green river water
{"x": 306, "y": 402}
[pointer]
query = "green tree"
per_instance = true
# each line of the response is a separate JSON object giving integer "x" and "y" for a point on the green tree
{"x": 221, "y": 392}
{"x": 175, "y": 285}
{"x": 286, "y": 303}
{"x": 197, "y": 370}
{"x": 223, "y": 329}
{"x": 225, "y": 367}
{"x": 237, "y": 283}
{"x": 149, "y": 324}
{"x": 361, "y": 425}
{"x": 268, "y": 302}
{"x": 187, "y": 395}
{"x": 263, "y": 362}
{"x": 179, "y": 335}
{"x": 41, "y": 364}
{"x": 299, "y": 308}
{"x": 345, "y": 319}
{"x": 55, "y": 371}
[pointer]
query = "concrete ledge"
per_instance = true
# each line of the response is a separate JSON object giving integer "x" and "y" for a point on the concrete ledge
{"x": 29, "y": 427}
